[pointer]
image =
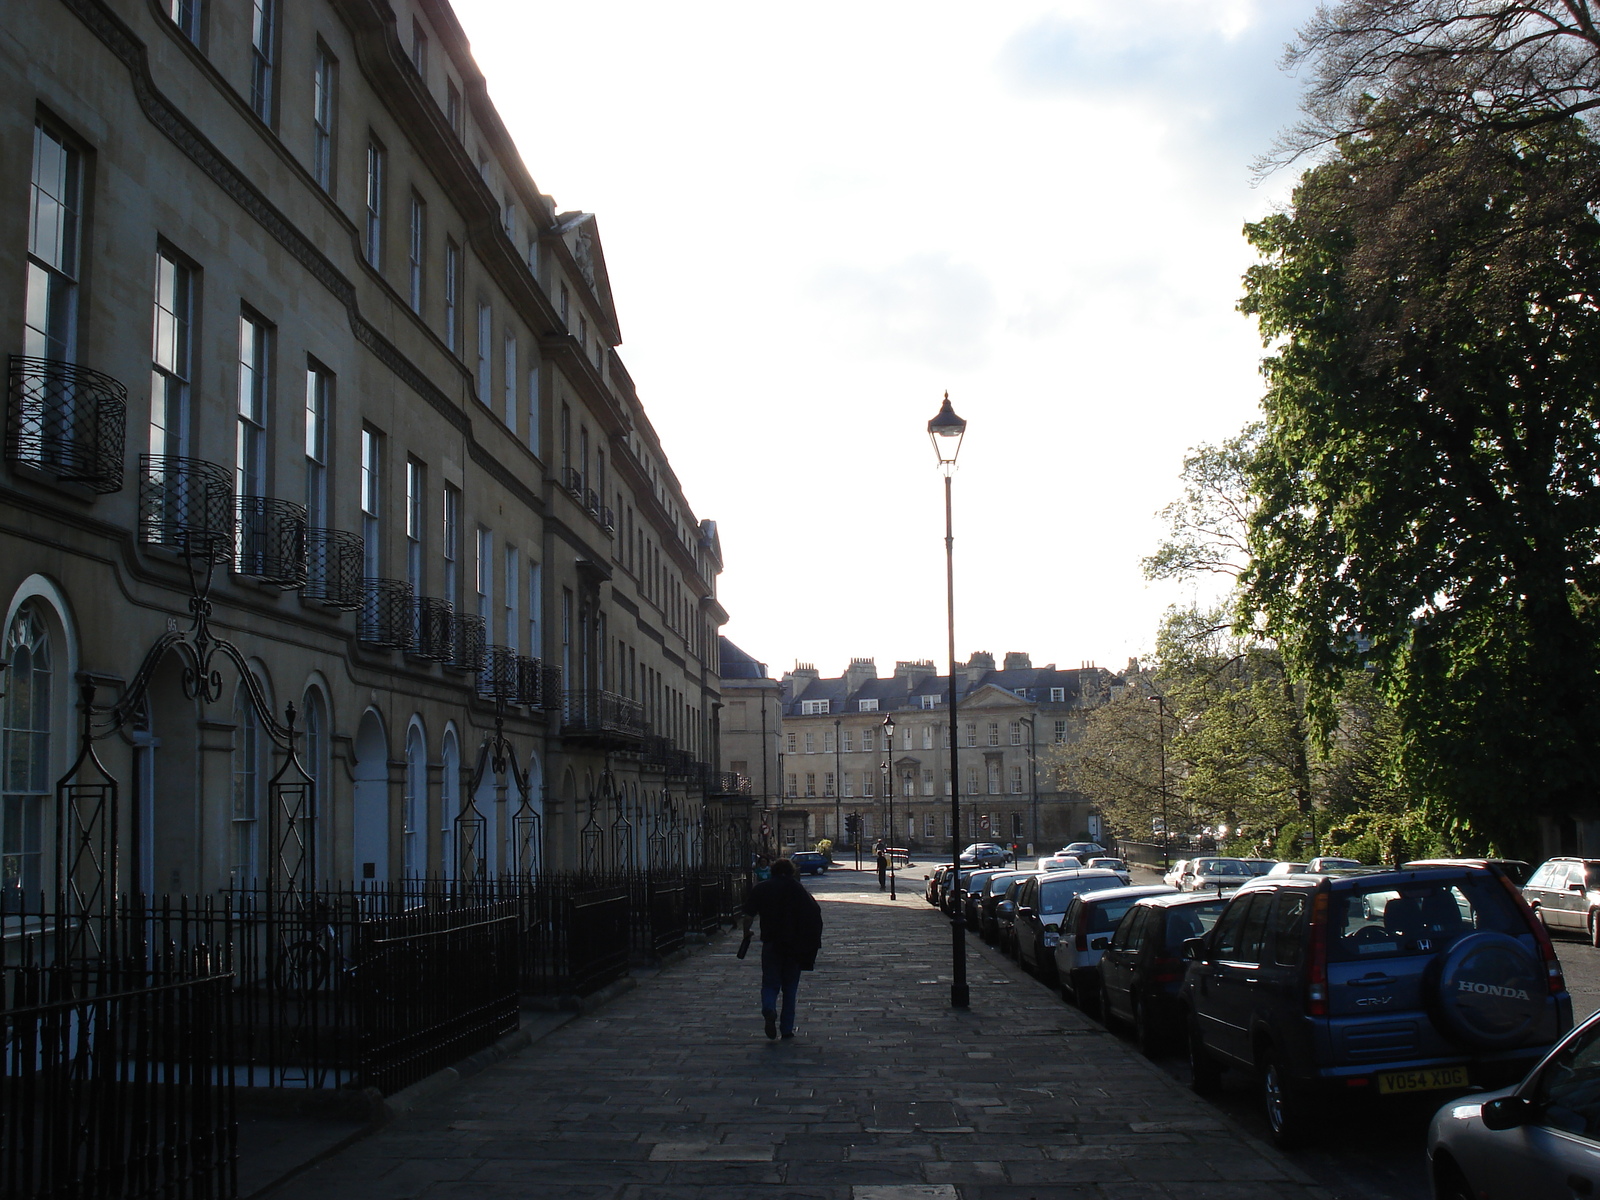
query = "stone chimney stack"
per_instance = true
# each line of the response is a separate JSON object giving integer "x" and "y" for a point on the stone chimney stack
{"x": 974, "y": 669}
{"x": 857, "y": 673}
{"x": 1018, "y": 660}
{"x": 801, "y": 678}
{"x": 914, "y": 672}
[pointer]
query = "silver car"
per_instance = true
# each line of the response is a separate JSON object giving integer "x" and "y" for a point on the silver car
{"x": 1086, "y": 929}
{"x": 1214, "y": 874}
{"x": 1538, "y": 1139}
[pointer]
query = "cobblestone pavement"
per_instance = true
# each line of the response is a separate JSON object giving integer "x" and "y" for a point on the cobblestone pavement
{"x": 673, "y": 1092}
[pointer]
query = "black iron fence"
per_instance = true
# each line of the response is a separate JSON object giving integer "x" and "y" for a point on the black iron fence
{"x": 116, "y": 1088}
{"x": 126, "y": 1031}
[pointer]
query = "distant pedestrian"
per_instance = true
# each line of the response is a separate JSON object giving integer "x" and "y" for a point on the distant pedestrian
{"x": 883, "y": 871}
{"x": 791, "y": 935}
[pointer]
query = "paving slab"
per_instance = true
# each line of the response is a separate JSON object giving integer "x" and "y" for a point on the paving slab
{"x": 673, "y": 1091}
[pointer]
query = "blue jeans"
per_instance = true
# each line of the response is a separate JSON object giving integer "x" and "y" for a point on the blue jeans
{"x": 779, "y": 972}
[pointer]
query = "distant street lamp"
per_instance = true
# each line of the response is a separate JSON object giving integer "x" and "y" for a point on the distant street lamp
{"x": 946, "y": 431}
{"x": 1161, "y": 738}
{"x": 888, "y": 792}
{"x": 1033, "y": 782}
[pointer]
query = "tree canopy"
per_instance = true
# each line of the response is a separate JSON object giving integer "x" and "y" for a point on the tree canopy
{"x": 1428, "y": 482}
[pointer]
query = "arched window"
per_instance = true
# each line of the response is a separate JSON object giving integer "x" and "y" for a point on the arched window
{"x": 449, "y": 804}
{"x": 25, "y": 783}
{"x": 248, "y": 777}
{"x": 416, "y": 803}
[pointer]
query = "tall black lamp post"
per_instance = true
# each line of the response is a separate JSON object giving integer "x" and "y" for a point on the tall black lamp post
{"x": 888, "y": 793}
{"x": 945, "y": 431}
{"x": 1161, "y": 737}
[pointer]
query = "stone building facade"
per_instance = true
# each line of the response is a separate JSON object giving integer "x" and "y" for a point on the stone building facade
{"x": 297, "y": 345}
{"x": 1007, "y": 718}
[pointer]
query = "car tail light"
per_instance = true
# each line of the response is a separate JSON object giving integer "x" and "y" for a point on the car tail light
{"x": 1166, "y": 970}
{"x": 1541, "y": 936}
{"x": 1317, "y": 960}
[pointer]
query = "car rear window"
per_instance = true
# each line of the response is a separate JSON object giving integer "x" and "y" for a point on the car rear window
{"x": 1191, "y": 921}
{"x": 1103, "y": 916}
{"x": 1222, "y": 866}
{"x": 1416, "y": 918}
{"x": 1056, "y": 894}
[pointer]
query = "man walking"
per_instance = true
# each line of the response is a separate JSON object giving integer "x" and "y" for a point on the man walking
{"x": 791, "y": 935}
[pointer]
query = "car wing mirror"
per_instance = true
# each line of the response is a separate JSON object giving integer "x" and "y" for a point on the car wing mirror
{"x": 1575, "y": 887}
{"x": 1024, "y": 910}
{"x": 1508, "y": 1112}
{"x": 1194, "y": 949}
{"x": 1100, "y": 943}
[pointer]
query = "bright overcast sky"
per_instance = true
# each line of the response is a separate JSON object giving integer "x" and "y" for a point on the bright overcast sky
{"x": 817, "y": 219}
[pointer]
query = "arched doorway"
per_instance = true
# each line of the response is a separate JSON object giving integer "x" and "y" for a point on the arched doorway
{"x": 370, "y": 841}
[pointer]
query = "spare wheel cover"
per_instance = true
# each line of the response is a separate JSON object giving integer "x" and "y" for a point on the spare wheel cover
{"x": 1490, "y": 991}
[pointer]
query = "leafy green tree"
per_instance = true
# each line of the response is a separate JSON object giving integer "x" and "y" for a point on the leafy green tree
{"x": 1428, "y": 482}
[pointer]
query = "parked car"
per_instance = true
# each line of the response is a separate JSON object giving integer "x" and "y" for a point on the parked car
{"x": 972, "y": 898}
{"x": 809, "y": 862}
{"x": 1289, "y": 868}
{"x": 930, "y": 890}
{"x": 986, "y": 854}
{"x": 1565, "y": 892}
{"x": 1041, "y": 902}
{"x": 1260, "y": 865}
{"x": 1086, "y": 929}
{"x": 1084, "y": 850}
{"x": 1005, "y": 915}
{"x": 1214, "y": 874}
{"x": 1539, "y": 1138}
{"x": 1326, "y": 863}
{"x": 1176, "y": 872}
{"x": 1141, "y": 972}
{"x": 1388, "y": 981}
{"x": 1118, "y": 865}
{"x": 988, "y": 920}
{"x": 1515, "y": 868}
{"x": 948, "y": 886}
{"x": 1058, "y": 862}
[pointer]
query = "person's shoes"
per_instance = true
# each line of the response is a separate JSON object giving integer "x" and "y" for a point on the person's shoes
{"x": 790, "y": 1034}
{"x": 772, "y": 1025}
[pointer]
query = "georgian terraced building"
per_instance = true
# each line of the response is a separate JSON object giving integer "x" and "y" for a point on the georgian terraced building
{"x": 1007, "y": 719}
{"x": 302, "y": 361}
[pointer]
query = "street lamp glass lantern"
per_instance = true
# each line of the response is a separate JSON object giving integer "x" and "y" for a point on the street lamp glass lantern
{"x": 888, "y": 731}
{"x": 945, "y": 431}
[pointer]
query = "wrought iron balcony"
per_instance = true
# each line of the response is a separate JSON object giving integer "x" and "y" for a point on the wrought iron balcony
{"x": 608, "y": 520}
{"x": 431, "y": 629}
{"x": 728, "y": 783}
{"x": 333, "y": 568}
{"x": 271, "y": 541}
{"x": 654, "y": 751}
{"x": 467, "y": 642}
{"x": 602, "y": 715}
{"x": 539, "y": 686}
{"x": 186, "y": 505}
{"x": 499, "y": 678}
{"x": 386, "y": 613}
{"x": 572, "y": 480}
{"x": 591, "y": 502}
{"x": 67, "y": 421}
{"x": 679, "y": 763}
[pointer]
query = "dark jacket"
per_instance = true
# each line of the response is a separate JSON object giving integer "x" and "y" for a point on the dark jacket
{"x": 790, "y": 916}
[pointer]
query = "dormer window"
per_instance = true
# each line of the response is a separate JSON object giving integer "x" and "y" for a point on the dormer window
{"x": 866, "y": 706}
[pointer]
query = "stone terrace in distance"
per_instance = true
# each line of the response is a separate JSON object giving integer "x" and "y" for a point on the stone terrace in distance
{"x": 672, "y": 1093}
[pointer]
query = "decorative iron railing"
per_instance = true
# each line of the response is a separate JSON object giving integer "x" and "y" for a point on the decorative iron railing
{"x": 598, "y": 712}
{"x": 591, "y": 502}
{"x": 538, "y": 686}
{"x": 333, "y": 568}
{"x": 728, "y": 783}
{"x": 271, "y": 541}
{"x": 608, "y": 520}
{"x": 680, "y": 763}
{"x": 386, "y": 613}
{"x": 499, "y": 678}
{"x": 467, "y": 642}
{"x": 572, "y": 480}
{"x": 431, "y": 629}
{"x": 186, "y": 505}
{"x": 67, "y": 421}
{"x": 653, "y": 753}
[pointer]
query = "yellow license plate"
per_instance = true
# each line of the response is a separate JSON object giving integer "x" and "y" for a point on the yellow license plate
{"x": 1391, "y": 1082}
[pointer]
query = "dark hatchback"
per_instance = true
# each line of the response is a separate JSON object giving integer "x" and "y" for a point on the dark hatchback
{"x": 989, "y": 903}
{"x": 1371, "y": 985}
{"x": 1141, "y": 973}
